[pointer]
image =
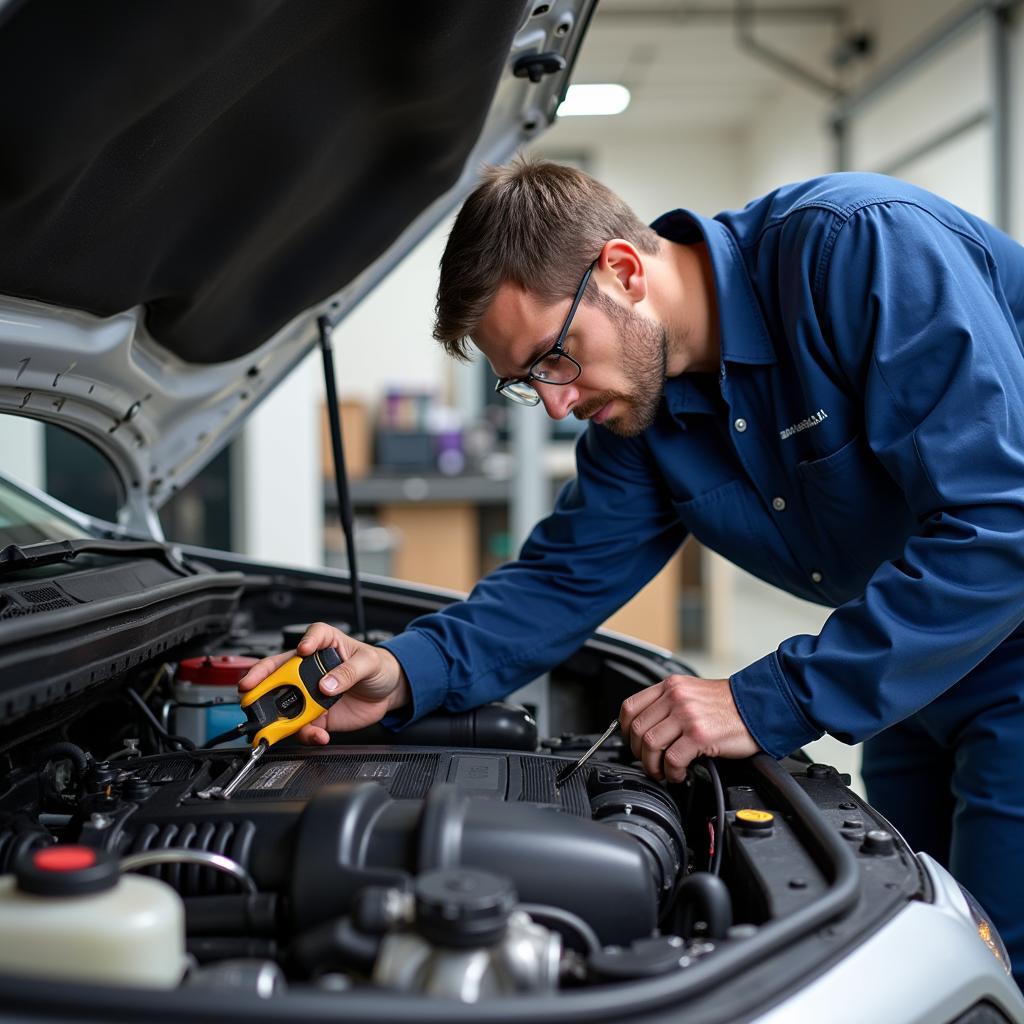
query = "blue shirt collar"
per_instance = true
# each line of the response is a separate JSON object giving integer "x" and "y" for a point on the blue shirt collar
{"x": 743, "y": 333}
{"x": 692, "y": 393}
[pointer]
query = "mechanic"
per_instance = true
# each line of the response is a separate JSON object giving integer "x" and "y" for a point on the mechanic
{"x": 827, "y": 388}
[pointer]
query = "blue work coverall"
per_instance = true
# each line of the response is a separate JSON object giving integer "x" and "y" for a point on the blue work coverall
{"x": 862, "y": 446}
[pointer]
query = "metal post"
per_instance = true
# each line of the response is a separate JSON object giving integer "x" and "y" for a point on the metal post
{"x": 840, "y": 143}
{"x": 999, "y": 48}
{"x": 529, "y": 502}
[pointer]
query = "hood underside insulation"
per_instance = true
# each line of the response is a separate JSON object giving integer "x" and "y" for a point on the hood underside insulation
{"x": 227, "y": 165}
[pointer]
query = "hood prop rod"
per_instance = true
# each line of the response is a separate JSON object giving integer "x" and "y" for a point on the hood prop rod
{"x": 340, "y": 475}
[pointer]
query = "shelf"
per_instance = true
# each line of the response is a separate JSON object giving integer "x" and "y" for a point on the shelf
{"x": 426, "y": 489}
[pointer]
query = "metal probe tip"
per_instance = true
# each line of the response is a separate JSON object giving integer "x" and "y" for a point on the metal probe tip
{"x": 567, "y": 773}
{"x": 219, "y": 793}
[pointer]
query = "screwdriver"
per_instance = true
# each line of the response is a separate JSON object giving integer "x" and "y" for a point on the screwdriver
{"x": 283, "y": 703}
{"x": 567, "y": 773}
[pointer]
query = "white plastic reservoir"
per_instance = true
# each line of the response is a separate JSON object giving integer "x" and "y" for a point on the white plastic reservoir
{"x": 68, "y": 914}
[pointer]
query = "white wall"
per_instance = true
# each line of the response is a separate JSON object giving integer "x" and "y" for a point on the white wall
{"x": 386, "y": 340}
{"x": 277, "y": 492}
{"x": 697, "y": 170}
{"x": 787, "y": 141}
{"x": 942, "y": 92}
{"x": 21, "y": 442}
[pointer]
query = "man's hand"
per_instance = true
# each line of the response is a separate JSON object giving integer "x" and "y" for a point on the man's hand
{"x": 370, "y": 677}
{"x": 680, "y": 718}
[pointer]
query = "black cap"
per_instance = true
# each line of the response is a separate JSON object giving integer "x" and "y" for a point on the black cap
{"x": 878, "y": 843}
{"x": 463, "y": 907}
{"x": 66, "y": 871}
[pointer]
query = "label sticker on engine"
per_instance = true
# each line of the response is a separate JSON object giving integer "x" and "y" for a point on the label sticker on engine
{"x": 379, "y": 769}
{"x": 276, "y": 776}
{"x": 479, "y": 775}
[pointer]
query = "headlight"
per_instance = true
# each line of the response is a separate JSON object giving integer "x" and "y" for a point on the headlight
{"x": 987, "y": 930}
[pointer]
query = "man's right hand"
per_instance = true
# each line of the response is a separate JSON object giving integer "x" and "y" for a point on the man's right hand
{"x": 370, "y": 677}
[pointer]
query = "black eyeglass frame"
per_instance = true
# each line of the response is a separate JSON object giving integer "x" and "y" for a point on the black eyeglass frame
{"x": 532, "y": 397}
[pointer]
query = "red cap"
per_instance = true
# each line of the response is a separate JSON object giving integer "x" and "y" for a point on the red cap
{"x": 70, "y": 870}
{"x": 217, "y": 670}
{"x": 64, "y": 858}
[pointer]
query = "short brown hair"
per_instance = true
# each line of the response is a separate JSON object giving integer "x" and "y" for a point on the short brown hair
{"x": 533, "y": 223}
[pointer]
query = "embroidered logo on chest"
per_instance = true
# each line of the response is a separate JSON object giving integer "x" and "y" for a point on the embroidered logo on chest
{"x": 812, "y": 421}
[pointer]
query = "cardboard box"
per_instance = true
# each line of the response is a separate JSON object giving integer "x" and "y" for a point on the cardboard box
{"x": 356, "y": 439}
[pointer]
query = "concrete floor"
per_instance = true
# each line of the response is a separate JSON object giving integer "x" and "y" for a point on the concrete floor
{"x": 764, "y": 617}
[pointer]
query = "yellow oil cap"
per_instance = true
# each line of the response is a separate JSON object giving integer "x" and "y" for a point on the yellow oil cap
{"x": 750, "y": 817}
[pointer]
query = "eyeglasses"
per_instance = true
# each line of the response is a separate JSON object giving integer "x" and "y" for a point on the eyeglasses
{"x": 554, "y": 367}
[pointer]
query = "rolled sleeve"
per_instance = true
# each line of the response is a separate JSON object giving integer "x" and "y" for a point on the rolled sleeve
{"x": 426, "y": 671}
{"x": 768, "y": 708}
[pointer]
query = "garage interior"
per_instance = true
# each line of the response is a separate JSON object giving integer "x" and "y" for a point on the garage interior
{"x": 726, "y": 101}
{"x": 199, "y": 202}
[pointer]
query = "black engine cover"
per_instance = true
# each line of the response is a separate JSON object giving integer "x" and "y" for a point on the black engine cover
{"x": 322, "y": 823}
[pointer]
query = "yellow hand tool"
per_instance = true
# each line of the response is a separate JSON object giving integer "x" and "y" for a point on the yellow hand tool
{"x": 290, "y": 697}
{"x": 282, "y": 704}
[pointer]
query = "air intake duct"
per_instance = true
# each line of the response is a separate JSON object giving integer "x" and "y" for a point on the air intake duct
{"x": 352, "y": 835}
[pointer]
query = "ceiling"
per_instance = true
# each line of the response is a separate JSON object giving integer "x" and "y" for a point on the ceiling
{"x": 685, "y": 66}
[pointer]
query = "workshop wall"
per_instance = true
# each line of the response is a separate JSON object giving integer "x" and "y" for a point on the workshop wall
{"x": 385, "y": 342}
{"x": 699, "y": 170}
{"x": 789, "y": 140}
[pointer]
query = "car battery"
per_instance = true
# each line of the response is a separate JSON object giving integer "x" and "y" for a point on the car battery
{"x": 206, "y": 697}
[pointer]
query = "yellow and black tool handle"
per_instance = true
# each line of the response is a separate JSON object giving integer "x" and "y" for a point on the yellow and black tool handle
{"x": 290, "y": 697}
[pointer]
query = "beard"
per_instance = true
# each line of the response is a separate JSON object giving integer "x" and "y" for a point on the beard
{"x": 645, "y": 359}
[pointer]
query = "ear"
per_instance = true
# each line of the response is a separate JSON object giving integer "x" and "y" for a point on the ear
{"x": 621, "y": 268}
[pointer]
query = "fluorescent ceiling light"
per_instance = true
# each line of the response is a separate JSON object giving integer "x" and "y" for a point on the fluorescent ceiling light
{"x": 581, "y": 100}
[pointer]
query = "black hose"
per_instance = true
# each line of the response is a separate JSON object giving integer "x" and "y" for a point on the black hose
{"x": 567, "y": 919}
{"x": 71, "y": 751}
{"x": 233, "y": 733}
{"x": 242, "y": 914}
{"x": 716, "y": 781}
{"x": 703, "y": 897}
{"x": 183, "y": 742}
{"x": 336, "y": 945}
{"x": 202, "y": 703}
{"x": 210, "y": 948}
{"x": 341, "y": 475}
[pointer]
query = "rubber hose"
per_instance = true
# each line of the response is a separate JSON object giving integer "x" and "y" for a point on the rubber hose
{"x": 704, "y": 897}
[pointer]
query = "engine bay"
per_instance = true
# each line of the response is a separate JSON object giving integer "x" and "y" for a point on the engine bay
{"x": 358, "y": 860}
{"x": 444, "y": 860}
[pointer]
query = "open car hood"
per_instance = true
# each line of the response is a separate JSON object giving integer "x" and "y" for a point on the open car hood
{"x": 186, "y": 189}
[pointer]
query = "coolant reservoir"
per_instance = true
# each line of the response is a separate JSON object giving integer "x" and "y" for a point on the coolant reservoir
{"x": 207, "y": 699}
{"x": 68, "y": 913}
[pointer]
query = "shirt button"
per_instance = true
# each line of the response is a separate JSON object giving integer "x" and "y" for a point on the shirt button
{"x": 779, "y": 504}
{"x": 740, "y": 424}
{"x": 816, "y": 576}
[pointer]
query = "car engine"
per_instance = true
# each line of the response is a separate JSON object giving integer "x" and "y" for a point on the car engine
{"x": 448, "y": 861}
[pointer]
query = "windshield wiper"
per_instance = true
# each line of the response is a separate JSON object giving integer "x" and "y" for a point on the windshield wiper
{"x": 13, "y": 557}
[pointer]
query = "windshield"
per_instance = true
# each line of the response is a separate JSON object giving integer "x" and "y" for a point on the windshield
{"x": 25, "y": 520}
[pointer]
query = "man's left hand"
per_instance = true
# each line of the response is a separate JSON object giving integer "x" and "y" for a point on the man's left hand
{"x": 680, "y": 718}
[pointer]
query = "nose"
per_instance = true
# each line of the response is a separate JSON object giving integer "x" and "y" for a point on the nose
{"x": 558, "y": 399}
